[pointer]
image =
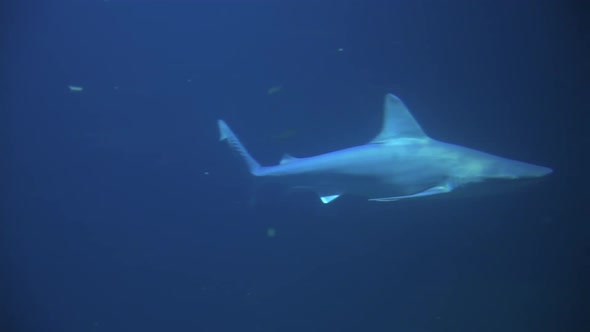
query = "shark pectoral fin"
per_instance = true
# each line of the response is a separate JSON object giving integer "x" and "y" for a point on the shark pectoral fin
{"x": 328, "y": 198}
{"x": 432, "y": 191}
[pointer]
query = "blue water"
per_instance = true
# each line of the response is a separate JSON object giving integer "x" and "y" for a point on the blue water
{"x": 121, "y": 210}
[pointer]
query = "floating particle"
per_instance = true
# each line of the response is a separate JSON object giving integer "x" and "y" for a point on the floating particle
{"x": 286, "y": 134}
{"x": 274, "y": 89}
{"x": 75, "y": 88}
{"x": 271, "y": 232}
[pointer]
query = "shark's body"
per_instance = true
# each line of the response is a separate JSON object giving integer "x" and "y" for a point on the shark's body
{"x": 401, "y": 162}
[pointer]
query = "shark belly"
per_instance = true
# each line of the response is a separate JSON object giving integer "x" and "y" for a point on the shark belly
{"x": 365, "y": 171}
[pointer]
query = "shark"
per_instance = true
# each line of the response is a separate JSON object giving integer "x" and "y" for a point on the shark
{"x": 401, "y": 162}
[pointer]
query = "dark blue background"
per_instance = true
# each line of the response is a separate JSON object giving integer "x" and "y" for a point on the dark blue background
{"x": 121, "y": 211}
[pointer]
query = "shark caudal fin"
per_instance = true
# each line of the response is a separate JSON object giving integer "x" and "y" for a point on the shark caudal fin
{"x": 225, "y": 134}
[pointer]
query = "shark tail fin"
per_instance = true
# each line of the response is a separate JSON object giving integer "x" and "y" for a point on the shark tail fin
{"x": 226, "y": 134}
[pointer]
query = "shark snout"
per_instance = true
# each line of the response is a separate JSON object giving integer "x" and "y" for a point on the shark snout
{"x": 542, "y": 171}
{"x": 524, "y": 170}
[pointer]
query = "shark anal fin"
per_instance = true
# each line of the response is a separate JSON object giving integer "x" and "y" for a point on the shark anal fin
{"x": 328, "y": 198}
{"x": 398, "y": 122}
{"x": 432, "y": 191}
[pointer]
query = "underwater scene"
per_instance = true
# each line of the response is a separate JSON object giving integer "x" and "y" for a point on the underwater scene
{"x": 294, "y": 166}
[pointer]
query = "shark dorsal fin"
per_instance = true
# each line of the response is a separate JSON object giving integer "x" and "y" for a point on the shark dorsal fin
{"x": 287, "y": 158}
{"x": 398, "y": 122}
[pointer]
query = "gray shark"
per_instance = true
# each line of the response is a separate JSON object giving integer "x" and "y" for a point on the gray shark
{"x": 401, "y": 162}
